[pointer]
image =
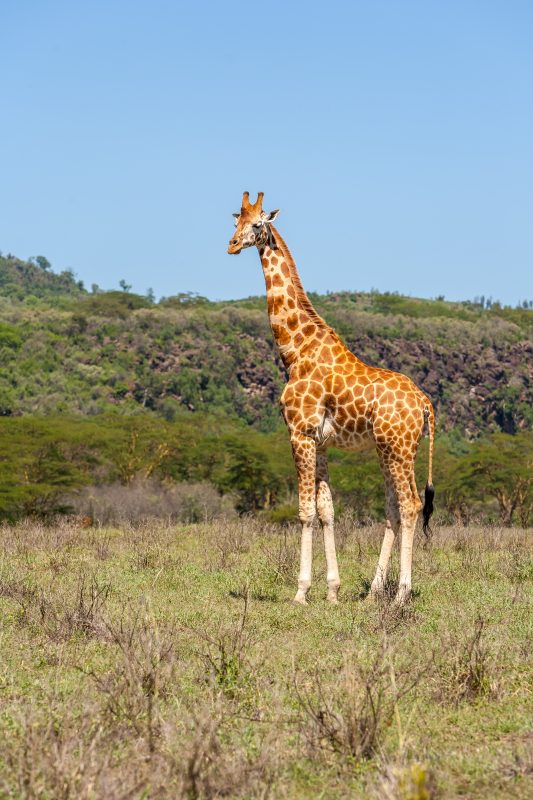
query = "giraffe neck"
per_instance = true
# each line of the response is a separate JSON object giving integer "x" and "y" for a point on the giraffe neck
{"x": 293, "y": 320}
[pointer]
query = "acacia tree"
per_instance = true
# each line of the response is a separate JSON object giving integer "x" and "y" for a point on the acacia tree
{"x": 37, "y": 475}
{"x": 501, "y": 467}
{"x": 250, "y": 476}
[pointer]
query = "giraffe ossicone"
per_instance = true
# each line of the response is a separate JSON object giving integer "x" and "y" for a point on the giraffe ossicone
{"x": 333, "y": 398}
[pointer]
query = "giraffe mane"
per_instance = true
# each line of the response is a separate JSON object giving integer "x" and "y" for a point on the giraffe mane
{"x": 303, "y": 300}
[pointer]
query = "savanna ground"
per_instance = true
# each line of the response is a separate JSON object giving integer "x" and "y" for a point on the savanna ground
{"x": 164, "y": 661}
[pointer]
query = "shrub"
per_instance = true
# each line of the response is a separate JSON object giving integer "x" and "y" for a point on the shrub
{"x": 348, "y": 718}
{"x": 148, "y": 497}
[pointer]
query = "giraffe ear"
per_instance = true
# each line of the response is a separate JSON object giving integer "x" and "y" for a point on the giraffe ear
{"x": 236, "y": 216}
{"x": 273, "y": 214}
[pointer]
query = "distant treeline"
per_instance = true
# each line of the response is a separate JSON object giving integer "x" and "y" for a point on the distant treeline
{"x": 45, "y": 462}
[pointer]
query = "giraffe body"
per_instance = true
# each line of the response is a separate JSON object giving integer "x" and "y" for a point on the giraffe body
{"x": 333, "y": 398}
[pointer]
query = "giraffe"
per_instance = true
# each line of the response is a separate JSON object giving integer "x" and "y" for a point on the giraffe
{"x": 333, "y": 398}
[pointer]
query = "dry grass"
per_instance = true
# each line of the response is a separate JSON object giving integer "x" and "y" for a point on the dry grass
{"x": 348, "y": 713}
{"x": 159, "y": 661}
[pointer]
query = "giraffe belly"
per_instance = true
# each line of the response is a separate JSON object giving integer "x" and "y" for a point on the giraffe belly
{"x": 353, "y": 440}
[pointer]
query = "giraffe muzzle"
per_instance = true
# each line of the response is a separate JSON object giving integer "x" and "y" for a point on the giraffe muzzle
{"x": 234, "y": 247}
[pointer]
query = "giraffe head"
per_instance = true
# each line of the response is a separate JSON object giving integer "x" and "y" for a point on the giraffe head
{"x": 253, "y": 225}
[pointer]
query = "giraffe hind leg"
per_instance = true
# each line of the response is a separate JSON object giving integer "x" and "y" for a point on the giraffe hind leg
{"x": 410, "y": 506}
{"x": 392, "y": 527}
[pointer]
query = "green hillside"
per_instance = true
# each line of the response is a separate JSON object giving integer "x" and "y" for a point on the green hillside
{"x": 26, "y": 280}
{"x": 64, "y": 350}
{"x": 82, "y": 373}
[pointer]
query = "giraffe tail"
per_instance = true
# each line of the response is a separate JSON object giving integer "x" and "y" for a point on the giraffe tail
{"x": 429, "y": 492}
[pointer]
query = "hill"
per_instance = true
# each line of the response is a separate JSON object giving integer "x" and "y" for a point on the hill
{"x": 26, "y": 279}
{"x": 65, "y": 350}
{"x": 111, "y": 402}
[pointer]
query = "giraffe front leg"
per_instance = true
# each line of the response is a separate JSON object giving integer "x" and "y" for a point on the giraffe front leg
{"x": 324, "y": 504}
{"x": 304, "y": 452}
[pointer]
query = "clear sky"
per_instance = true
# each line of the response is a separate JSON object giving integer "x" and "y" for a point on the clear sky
{"x": 395, "y": 137}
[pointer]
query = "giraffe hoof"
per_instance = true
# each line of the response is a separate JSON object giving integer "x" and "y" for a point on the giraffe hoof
{"x": 403, "y": 596}
{"x": 300, "y": 600}
{"x": 375, "y": 595}
{"x": 333, "y": 591}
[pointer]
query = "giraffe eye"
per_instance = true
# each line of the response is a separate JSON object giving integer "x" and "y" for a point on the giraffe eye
{"x": 257, "y": 226}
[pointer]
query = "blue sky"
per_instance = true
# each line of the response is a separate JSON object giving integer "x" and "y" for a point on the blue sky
{"x": 395, "y": 137}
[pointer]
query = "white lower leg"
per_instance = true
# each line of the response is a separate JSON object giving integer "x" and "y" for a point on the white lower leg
{"x": 333, "y": 578}
{"x": 324, "y": 504}
{"x": 378, "y": 584}
{"x": 306, "y": 558}
{"x": 406, "y": 560}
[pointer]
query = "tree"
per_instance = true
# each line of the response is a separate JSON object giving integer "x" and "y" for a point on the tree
{"x": 500, "y": 467}
{"x": 124, "y": 286}
{"x": 357, "y": 483}
{"x": 39, "y": 470}
{"x": 43, "y": 262}
{"x": 251, "y": 476}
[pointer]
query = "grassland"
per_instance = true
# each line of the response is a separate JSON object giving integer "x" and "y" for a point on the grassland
{"x": 167, "y": 662}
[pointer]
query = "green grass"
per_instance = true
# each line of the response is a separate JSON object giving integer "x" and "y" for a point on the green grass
{"x": 165, "y": 661}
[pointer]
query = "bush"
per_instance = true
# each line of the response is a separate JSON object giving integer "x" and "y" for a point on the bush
{"x": 144, "y": 498}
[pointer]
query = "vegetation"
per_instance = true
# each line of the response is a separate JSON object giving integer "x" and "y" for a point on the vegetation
{"x": 29, "y": 280}
{"x": 166, "y": 661}
{"x": 110, "y": 389}
{"x": 161, "y": 658}
{"x": 65, "y": 350}
{"x": 46, "y": 461}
